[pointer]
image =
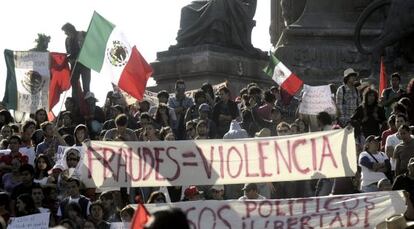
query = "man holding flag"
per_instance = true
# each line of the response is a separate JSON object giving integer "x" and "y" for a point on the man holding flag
{"x": 73, "y": 46}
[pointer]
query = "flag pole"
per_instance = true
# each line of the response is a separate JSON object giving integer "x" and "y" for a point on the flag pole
{"x": 64, "y": 94}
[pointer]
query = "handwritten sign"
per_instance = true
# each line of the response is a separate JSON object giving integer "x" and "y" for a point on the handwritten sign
{"x": 38, "y": 221}
{"x": 317, "y": 99}
{"x": 207, "y": 162}
{"x": 342, "y": 211}
{"x": 61, "y": 150}
{"x": 120, "y": 225}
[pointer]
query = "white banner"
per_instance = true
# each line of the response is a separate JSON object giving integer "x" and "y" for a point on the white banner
{"x": 317, "y": 99}
{"x": 206, "y": 162}
{"x": 38, "y": 221}
{"x": 120, "y": 225}
{"x": 32, "y": 79}
{"x": 342, "y": 211}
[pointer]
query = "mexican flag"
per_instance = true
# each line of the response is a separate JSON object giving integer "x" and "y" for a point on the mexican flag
{"x": 107, "y": 51}
{"x": 289, "y": 83}
{"x": 27, "y": 83}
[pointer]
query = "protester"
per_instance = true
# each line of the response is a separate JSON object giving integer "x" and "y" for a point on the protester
{"x": 73, "y": 186}
{"x": 180, "y": 103}
{"x": 255, "y": 112}
{"x": 392, "y": 94}
{"x": 96, "y": 215}
{"x": 127, "y": 213}
{"x": 404, "y": 150}
{"x": 224, "y": 112}
{"x": 217, "y": 192}
{"x": 374, "y": 164}
{"x": 369, "y": 117}
{"x": 25, "y": 205}
{"x": 157, "y": 197}
{"x": 251, "y": 192}
{"x": 347, "y": 97}
{"x": 192, "y": 194}
{"x": 73, "y": 43}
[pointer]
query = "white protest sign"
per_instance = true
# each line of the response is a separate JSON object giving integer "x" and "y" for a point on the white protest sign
{"x": 120, "y": 225}
{"x": 342, "y": 211}
{"x": 61, "y": 150}
{"x": 316, "y": 99}
{"x": 5, "y": 151}
{"x": 38, "y": 221}
{"x": 206, "y": 162}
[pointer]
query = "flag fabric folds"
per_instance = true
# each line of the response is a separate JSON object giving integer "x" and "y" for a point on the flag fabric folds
{"x": 141, "y": 217}
{"x": 289, "y": 83}
{"x": 107, "y": 51}
{"x": 383, "y": 77}
{"x": 60, "y": 77}
{"x": 27, "y": 83}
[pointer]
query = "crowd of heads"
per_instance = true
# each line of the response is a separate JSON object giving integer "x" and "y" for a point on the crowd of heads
{"x": 35, "y": 179}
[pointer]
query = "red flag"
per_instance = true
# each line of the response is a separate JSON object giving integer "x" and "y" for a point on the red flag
{"x": 51, "y": 116}
{"x": 141, "y": 217}
{"x": 383, "y": 78}
{"x": 59, "y": 77}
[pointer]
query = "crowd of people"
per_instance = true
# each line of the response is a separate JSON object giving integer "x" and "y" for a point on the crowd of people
{"x": 35, "y": 180}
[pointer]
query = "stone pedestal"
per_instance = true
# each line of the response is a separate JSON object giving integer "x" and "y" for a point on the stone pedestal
{"x": 319, "y": 45}
{"x": 208, "y": 63}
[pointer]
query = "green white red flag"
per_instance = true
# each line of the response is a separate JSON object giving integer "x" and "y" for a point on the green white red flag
{"x": 27, "y": 83}
{"x": 107, "y": 51}
{"x": 288, "y": 81}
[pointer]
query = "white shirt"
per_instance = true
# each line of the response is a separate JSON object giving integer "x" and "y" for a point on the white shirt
{"x": 30, "y": 153}
{"x": 369, "y": 176}
{"x": 259, "y": 197}
{"x": 76, "y": 200}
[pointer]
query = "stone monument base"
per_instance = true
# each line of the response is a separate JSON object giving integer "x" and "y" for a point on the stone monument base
{"x": 209, "y": 63}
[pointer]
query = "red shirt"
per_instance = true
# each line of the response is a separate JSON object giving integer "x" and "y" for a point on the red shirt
{"x": 7, "y": 159}
{"x": 384, "y": 136}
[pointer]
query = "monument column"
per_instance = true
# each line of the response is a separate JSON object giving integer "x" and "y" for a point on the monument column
{"x": 319, "y": 45}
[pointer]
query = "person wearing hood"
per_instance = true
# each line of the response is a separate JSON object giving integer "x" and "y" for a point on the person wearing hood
{"x": 235, "y": 131}
{"x": 81, "y": 134}
{"x": 234, "y": 191}
{"x": 70, "y": 166}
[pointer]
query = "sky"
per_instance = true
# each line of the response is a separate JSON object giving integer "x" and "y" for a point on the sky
{"x": 151, "y": 25}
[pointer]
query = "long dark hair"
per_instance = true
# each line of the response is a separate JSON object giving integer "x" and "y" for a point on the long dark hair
{"x": 368, "y": 91}
{"x": 42, "y": 172}
{"x": 158, "y": 117}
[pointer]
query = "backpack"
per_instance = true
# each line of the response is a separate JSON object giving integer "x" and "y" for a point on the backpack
{"x": 343, "y": 94}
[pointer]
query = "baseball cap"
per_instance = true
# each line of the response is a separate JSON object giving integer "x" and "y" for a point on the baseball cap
{"x": 192, "y": 191}
{"x": 249, "y": 186}
{"x": 373, "y": 138}
{"x": 204, "y": 107}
